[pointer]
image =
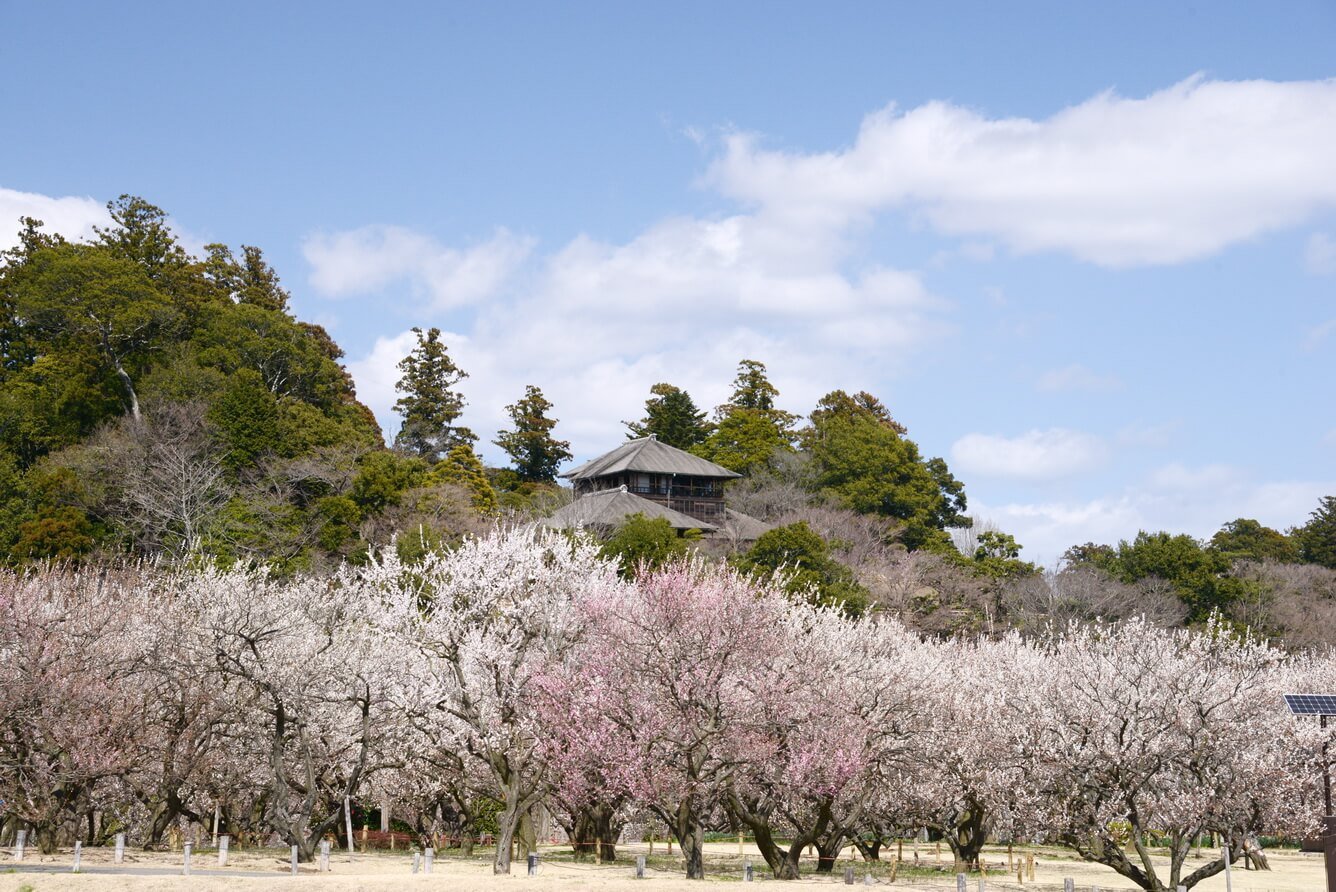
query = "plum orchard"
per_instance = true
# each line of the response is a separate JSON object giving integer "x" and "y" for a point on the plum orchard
{"x": 519, "y": 670}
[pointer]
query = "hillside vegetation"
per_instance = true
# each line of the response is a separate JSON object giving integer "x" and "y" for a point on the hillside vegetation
{"x": 155, "y": 404}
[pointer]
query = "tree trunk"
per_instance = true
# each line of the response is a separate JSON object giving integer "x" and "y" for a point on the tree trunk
{"x": 870, "y": 849}
{"x": 828, "y": 852}
{"x": 967, "y": 836}
{"x": 131, "y": 396}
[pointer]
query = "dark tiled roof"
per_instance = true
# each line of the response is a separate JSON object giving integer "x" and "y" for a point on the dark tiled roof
{"x": 649, "y": 456}
{"x": 610, "y": 507}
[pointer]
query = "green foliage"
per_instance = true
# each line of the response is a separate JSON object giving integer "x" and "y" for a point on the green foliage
{"x": 61, "y": 533}
{"x": 997, "y": 555}
{"x": 246, "y": 416}
{"x": 1246, "y": 539}
{"x": 463, "y": 468}
{"x": 671, "y": 416}
{"x": 863, "y": 463}
{"x": 1200, "y": 576}
{"x": 805, "y": 566}
{"x": 536, "y": 454}
{"x": 1317, "y": 538}
{"x": 641, "y": 543}
{"x": 429, "y": 405}
{"x": 383, "y": 477}
{"x": 749, "y": 429}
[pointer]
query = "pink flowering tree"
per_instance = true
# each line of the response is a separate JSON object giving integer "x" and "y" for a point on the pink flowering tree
{"x": 838, "y": 706}
{"x": 484, "y": 622}
{"x": 1140, "y": 735}
{"x": 66, "y": 654}
{"x": 665, "y": 694}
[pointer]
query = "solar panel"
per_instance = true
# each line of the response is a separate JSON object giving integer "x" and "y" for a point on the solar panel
{"x": 1311, "y": 704}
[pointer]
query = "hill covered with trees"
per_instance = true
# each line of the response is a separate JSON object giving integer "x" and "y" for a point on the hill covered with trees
{"x": 160, "y": 405}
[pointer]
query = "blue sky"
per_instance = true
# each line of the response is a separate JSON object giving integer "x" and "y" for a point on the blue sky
{"x": 1087, "y": 254}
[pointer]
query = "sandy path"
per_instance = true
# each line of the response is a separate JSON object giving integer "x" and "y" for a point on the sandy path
{"x": 1292, "y": 872}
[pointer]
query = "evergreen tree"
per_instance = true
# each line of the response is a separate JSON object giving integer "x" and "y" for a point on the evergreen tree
{"x": 862, "y": 461}
{"x": 807, "y": 569}
{"x": 462, "y": 466}
{"x": 533, "y": 450}
{"x": 672, "y": 417}
{"x": 750, "y": 429}
{"x": 429, "y": 405}
{"x": 1317, "y": 538}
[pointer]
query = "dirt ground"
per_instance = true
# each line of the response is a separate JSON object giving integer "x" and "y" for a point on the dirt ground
{"x": 1292, "y": 872}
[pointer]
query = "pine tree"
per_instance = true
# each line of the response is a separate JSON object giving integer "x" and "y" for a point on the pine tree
{"x": 429, "y": 405}
{"x": 672, "y": 417}
{"x": 750, "y": 429}
{"x": 531, "y": 446}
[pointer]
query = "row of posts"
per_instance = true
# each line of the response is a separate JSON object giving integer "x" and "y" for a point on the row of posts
{"x": 423, "y": 861}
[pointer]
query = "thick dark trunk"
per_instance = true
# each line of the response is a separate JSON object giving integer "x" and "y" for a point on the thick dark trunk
{"x": 870, "y": 849}
{"x": 828, "y": 852}
{"x": 756, "y": 818}
{"x": 967, "y": 836}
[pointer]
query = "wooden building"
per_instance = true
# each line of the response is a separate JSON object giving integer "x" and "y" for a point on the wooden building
{"x": 648, "y": 477}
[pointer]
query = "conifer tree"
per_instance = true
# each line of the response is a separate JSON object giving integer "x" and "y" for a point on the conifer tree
{"x": 535, "y": 453}
{"x": 430, "y": 405}
{"x": 672, "y": 417}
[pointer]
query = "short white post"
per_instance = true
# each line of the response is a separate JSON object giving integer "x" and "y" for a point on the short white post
{"x": 1229, "y": 881}
{"x": 417, "y": 859}
{"x": 19, "y": 845}
{"x": 324, "y": 856}
{"x": 222, "y": 849}
{"x": 78, "y": 855}
{"x": 294, "y": 860}
{"x": 120, "y": 848}
{"x": 533, "y": 862}
{"x": 1068, "y": 884}
{"x": 185, "y": 864}
{"x": 640, "y": 867}
{"x": 427, "y": 858}
{"x": 960, "y": 883}
{"x": 983, "y": 885}
{"x": 848, "y": 876}
{"x": 747, "y": 871}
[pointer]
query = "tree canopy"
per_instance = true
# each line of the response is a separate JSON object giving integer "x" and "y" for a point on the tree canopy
{"x": 672, "y": 417}
{"x": 535, "y": 453}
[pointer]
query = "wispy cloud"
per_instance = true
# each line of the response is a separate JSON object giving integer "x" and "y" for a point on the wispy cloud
{"x": 371, "y": 258}
{"x": 1176, "y": 498}
{"x": 1116, "y": 181}
{"x": 1320, "y": 254}
{"x": 1078, "y": 378}
{"x": 1036, "y": 455}
{"x": 71, "y": 216}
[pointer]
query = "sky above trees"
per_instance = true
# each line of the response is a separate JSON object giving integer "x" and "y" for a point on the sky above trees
{"x": 1087, "y": 255}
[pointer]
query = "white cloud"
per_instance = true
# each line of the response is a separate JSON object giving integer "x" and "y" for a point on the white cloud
{"x": 1319, "y": 333}
{"x": 71, "y": 216}
{"x": 1078, "y": 378}
{"x": 597, "y": 323}
{"x": 1174, "y": 176}
{"x": 372, "y": 258}
{"x": 1035, "y": 455}
{"x": 1320, "y": 254}
{"x": 1176, "y": 498}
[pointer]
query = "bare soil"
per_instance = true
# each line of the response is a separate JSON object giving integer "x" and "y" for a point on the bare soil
{"x": 373, "y": 872}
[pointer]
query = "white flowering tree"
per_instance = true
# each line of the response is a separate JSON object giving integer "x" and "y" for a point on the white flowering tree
{"x": 313, "y": 678}
{"x": 1143, "y": 737}
{"x": 484, "y": 621}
